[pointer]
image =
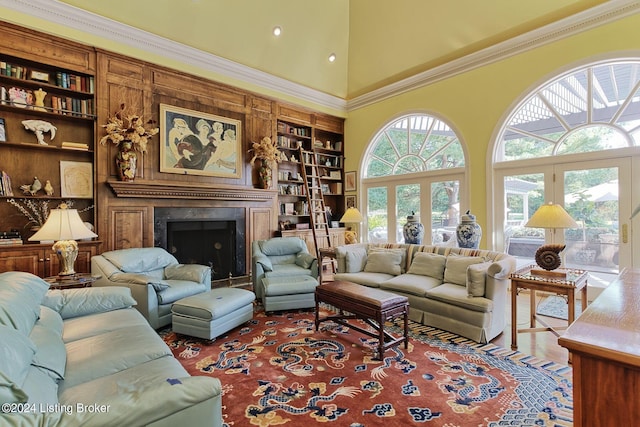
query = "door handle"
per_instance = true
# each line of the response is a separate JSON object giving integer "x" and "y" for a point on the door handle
{"x": 625, "y": 233}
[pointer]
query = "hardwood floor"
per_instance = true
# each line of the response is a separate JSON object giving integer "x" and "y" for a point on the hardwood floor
{"x": 543, "y": 345}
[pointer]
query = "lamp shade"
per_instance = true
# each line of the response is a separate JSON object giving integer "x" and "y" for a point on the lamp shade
{"x": 551, "y": 216}
{"x": 63, "y": 224}
{"x": 352, "y": 215}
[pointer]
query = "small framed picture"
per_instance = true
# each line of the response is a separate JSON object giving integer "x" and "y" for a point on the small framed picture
{"x": 76, "y": 179}
{"x": 350, "y": 181}
{"x": 350, "y": 202}
{"x": 40, "y": 76}
{"x": 3, "y": 131}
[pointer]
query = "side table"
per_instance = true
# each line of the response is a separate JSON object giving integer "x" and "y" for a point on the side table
{"x": 330, "y": 253}
{"x": 568, "y": 282}
{"x": 78, "y": 280}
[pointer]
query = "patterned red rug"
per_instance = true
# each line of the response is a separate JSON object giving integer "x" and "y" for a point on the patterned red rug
{"x": 277, "y": 370}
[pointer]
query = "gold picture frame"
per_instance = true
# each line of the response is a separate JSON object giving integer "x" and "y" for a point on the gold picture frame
{"x": 195, "y": 143}
{"x": 350, "y": 182}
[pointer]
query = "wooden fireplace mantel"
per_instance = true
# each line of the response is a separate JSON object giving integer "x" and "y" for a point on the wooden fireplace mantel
{"x": 167, "y": 190}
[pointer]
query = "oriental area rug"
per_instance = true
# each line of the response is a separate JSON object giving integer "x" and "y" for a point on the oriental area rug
{"x": 276, "y": 370}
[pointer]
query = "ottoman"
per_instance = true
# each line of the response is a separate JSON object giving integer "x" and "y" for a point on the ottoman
{"x": 288, "y": 292}
{"x": 210, "y": 314}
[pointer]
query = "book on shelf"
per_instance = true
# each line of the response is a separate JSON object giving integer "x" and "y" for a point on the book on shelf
{"x": 5, "y": 184}
{"x": 11, "y": 241}
{"x": 75, "y": 145}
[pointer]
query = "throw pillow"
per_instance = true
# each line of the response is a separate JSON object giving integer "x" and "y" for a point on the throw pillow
{"x": 476, "y": 278}
{"x": 401, "y": 251}
{"x": 304, "y": 260}
{"x": 384, "y": 262}
{"x": 355, "y": 260}
{"x": 456, "y": 268}
{"x": 427, "y": 264}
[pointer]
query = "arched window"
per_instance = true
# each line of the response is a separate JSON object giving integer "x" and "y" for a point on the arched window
{"x": 415, "y": 164}
{"x": 572, "y": 141}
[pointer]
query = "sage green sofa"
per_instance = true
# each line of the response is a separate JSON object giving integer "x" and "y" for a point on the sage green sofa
{"x": 85, "y": 357}
{"x": 459, "y": 290}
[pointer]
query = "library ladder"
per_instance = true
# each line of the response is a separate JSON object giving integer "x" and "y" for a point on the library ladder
{"x": 315, "y": 200}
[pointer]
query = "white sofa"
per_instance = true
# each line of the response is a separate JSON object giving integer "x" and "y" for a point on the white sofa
{"x": 85, "y": 357}
{"x": 459, "y": 290}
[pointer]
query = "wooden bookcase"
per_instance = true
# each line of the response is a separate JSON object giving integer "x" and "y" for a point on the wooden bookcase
{"x": 65, "y": 71}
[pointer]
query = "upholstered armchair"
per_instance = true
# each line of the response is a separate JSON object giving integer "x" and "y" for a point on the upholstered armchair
{"x": 155, "y": 278}
{"x": 284, "y": 273}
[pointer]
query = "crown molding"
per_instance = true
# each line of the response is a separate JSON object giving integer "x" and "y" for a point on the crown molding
{"x": 597, "y": 16}
{"x": 81, "y": 20}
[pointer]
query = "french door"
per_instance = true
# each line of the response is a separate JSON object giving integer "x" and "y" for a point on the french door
{"x": 597, "y": 194}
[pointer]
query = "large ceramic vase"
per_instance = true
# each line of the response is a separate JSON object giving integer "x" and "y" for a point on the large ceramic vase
{"x": 413, "y": 230}
{"x": 126, "y": 161}
{"x": 264, "y": 175}
{"x": 468, "y": 232}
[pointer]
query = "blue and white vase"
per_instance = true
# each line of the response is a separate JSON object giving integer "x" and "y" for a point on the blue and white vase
{"x": 468, "y": 232}
{"x": 413, "y": 230}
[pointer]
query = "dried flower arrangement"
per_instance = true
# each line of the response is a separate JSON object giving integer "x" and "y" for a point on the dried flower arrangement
{"x": 128, "y": 126}
{"x": 265, "y": 150}
{"x": 37, "y": 210}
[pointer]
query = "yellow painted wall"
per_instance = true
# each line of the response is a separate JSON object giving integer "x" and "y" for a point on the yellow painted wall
{"x": 474, "y": 102}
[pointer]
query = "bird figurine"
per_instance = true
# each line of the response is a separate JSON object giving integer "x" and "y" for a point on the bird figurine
{"x": 32, "y": 188}
{"x": 39, "y": 127}
{"x": 48, "y": 188}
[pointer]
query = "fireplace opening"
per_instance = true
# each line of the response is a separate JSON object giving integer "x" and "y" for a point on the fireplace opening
{"x": 208, "y": 236}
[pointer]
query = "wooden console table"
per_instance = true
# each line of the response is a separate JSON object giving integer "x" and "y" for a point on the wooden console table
{"x": 605, "y": 344}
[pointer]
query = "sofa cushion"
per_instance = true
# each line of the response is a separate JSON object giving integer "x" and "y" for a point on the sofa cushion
{"x": 372, "y": 280}
{"x": 408, "y": 283}
{"x": 100, "y": 323}
{"x": 476, "y": 277}
{"x": 355, "y": 260}
{"x": 193, "y": 272}
{"x": 80, "y": 302}
{"x": 20, "y": 297}
{"x": 280, "y": 270}
{"x": 282, "y": 246}
{"x": 450, "y": 293}
{"x": 16, "y": 353}
{"x": 112, "y": 352}
{"x": 401, "y": 251}
{"x": 387, "y": 262}
{"x": 40, "y": 387}
{"x": 179, "y": 289}
{"x": 51, "y": 354}
{"x": 456, "y": 268}
{"x": 139, "y": 260}
{"x": 428, "y": 264}
{"x": 304, "y": 260}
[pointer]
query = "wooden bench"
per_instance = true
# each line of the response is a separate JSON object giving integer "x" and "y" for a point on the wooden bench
{"x": 372, "y": 305}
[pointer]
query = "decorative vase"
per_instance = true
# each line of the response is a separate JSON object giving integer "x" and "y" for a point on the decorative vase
{"x": 126, "y": 161}
{"x": 468, "y": 232}
{"x": 264, "y": 175}
{"x": 413, "y": 230}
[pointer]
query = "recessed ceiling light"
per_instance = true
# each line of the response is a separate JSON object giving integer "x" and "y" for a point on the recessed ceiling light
{"x": 277, "y": 31}
{"x": 332, "y": 57}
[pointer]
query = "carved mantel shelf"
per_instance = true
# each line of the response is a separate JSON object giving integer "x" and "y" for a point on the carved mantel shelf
{"x": 160, "y": 190}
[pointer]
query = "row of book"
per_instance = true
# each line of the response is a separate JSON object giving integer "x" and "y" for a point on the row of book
{"x": 75, "y": 82}
{"x": 285, "y": 128}
{"x": 72, "y": 106}
{"x": 62, "y": 79}
{"x": 5, "y": 185}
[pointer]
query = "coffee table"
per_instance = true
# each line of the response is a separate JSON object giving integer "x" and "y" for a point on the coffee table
{"x": 372, "y": 305}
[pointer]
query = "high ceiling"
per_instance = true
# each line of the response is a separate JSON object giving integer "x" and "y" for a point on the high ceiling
{"x": 377, "y": 42}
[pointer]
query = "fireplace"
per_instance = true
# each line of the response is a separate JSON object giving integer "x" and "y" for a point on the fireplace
{"x": 207, "y": 236}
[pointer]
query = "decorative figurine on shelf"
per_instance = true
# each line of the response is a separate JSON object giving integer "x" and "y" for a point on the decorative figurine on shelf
{"x": 48, "y": 188}
{"x": 32, "y": 188}
{"x": 39, "y": 104}
{"x": 39, "y": 127}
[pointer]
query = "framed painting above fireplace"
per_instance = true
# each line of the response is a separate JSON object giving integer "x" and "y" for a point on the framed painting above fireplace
{"x": 194, "y": 143}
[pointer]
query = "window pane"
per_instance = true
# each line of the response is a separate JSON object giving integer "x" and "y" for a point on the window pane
{"x": 408, "y": 203}
{"x": 445, "y": 211}
{"x": 377, "y": 214}
{"x": 524, "y": 194}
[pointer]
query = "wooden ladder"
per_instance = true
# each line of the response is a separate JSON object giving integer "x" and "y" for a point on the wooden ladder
{"x": 315, "y": 200}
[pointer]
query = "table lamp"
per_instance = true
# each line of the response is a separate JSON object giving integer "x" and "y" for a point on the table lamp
{"x": 351, "y": 216}
{"x": 64, "y": 226}
{"x": 550, "y": 216}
